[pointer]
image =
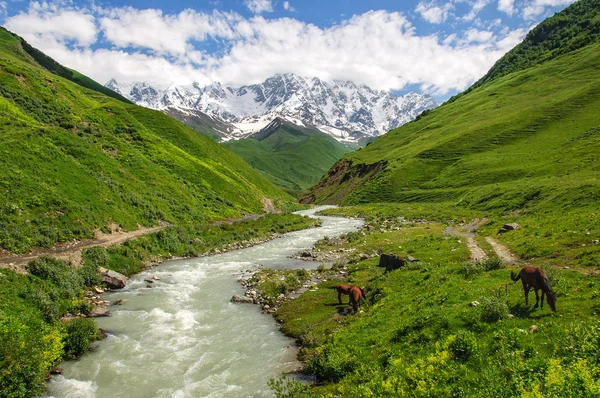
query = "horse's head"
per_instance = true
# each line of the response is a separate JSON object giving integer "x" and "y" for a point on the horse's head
{"x": 551, "y": 300}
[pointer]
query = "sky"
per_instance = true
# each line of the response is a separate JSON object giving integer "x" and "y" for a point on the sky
{"x": 429, "y": 46}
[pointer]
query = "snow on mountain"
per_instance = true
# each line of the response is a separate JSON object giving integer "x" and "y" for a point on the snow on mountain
{"x": 343, "y": 109}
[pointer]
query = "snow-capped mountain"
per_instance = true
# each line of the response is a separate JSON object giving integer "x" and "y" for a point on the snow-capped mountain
{"x": 343, "y": 109}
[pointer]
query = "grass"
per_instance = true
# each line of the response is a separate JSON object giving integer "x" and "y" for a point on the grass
{"x": 419, "y": 335}
{"x": 290, "y": 156}
{"x": 74, "y": 160}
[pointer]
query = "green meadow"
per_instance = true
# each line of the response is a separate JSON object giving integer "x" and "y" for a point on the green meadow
{"x": 290, "y": 156}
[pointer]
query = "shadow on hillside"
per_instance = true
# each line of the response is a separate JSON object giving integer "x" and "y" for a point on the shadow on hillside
{"x": 522, "y": 311}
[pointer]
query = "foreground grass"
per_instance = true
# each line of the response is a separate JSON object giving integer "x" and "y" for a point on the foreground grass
{"x": 419, "y": 335}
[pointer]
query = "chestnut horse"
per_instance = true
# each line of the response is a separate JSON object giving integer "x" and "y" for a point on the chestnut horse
{"x": 355, "y": 293}
{"x": 537, "y": 279}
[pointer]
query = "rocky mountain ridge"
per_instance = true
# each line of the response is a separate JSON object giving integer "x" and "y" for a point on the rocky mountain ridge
{"x": 343, "y": 109}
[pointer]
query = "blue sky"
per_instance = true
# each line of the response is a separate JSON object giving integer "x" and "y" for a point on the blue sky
{"x": 430, "y": 46}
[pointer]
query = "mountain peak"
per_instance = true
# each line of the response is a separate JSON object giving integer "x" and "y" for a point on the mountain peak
{"x": 339, "y": 108}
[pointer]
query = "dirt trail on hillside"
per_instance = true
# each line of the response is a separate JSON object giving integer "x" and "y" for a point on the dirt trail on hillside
{"x": 71, "y": 251}
{"x": 467, "y": 232}
{"x": 502, "y": 251}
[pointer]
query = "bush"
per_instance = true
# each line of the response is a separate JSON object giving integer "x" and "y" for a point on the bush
{"x": 61, "y": 274}
{"x": 463, "y": 346}
{"x": 469, "y": 269}
{"x": 493, "y": 309}
{"x": 331, "y": 363}
{"x": 79, "y": 334}
{"x": 492, "y": 264}
{"x": 93, "y": 258}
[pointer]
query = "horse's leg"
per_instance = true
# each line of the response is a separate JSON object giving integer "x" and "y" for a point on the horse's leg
{"x": 340, "y": 296}
{"x": 537, "y": 298}
{"x": 525, "y": 292}
{"x": 542, "y": 303}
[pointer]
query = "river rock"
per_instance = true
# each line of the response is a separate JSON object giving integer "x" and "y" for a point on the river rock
{"x": 241, "y": 299}
{"x": 364, "y": 256}
{"x": 391, "y": 262}
{"x": 112, "y": 279}
{"x": 533, "y": 329}
{"x": 98, "y": 312}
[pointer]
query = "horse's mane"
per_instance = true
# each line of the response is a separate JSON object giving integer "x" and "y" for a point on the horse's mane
{"x": 548, "y": 288}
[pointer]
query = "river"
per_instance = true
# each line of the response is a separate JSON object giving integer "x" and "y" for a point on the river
{"x": 183, "y": 338}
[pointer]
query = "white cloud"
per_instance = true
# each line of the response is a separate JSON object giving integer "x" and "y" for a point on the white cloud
{"x": 43, "y": 20}
{"x": 163, "y": 33}
{"x": 2, "y": 7}
{"x": 433, "y": 13}
{"x": 538, "y": 7}
{"x": 476, "y": 7}
{"x": 259, "y": 6}
{"x": 378, "y": 48}
{"x": 288, "y": 7}
{"x": 479, "y": 36}
{"x": 507, "y": 6}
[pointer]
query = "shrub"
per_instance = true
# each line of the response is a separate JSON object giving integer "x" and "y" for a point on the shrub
{"x": 493, "y": 309}
{"x": 93, "y": 258}
{"x": 463, "y": 346}
{"x": 61, "y": 274}
{"x": 331, "y": 363}
{"x": 469, "y": 269}
{"x": 79, "y": 334}
{"x": 492, "y": 264}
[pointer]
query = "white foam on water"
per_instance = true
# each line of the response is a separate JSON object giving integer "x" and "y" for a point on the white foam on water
{"x": 64, "y": 387}
{"x": 183, "y": 338}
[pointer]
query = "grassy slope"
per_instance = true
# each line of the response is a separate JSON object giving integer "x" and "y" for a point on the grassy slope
{"x": 419, "y": 336}
{"x": 74, "y": 160}
{"x": 291, "y": 157}
{"x": 534, "y": 130}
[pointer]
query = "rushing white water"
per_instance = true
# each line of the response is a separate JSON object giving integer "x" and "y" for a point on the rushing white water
{"x": 183, "y": 338}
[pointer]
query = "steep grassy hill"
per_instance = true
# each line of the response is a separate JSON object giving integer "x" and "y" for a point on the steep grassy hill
{"x": 290, "y": 156}
{"x": 526, "y": 139}
{"x": 74, "y": 160}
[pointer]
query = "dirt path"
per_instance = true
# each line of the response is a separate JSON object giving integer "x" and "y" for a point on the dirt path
{"x": 467, "y": 232}
{"x": 502, "y": 251}
{"x": 71, "y": 251}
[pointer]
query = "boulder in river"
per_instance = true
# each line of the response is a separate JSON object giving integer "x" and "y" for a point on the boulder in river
{"x": 98, "y": 312}
{"x": 242, "y": 299}
{"x": 112, "y": 279}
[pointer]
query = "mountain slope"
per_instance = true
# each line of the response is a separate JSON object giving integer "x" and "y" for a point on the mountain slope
{"x": 344, "y": 110}
{"x": 290, "y": 156}
{"x": 74, "y": 160}
{"x": 528, "y": 139}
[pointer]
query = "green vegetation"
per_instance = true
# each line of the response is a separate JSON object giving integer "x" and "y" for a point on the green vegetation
{"x": 522, "y": 145}
{"x": 290, "y": 156}
{"x": 33, "y": 335}
{"x": 133, "y": 256}
{"x": 419, "y": 335}
{"x": 74, "y": 160}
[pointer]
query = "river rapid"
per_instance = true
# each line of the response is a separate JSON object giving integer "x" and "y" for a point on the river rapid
{"x": 183, "y": 338}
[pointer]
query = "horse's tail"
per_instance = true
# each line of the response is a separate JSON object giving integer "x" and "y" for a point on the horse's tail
{"x": 515, "y": 277}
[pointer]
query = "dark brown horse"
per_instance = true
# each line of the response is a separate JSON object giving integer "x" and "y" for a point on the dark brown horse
{"x": 537, "y": 279}
{"x": 356, "y": 293}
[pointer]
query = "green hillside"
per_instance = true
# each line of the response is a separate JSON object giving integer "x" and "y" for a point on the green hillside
{"x": 74, "y": 160}
{"x": 290, "y": 156}
{"x": 524, "y": 141}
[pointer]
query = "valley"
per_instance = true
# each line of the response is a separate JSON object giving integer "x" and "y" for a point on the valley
{"x": 278, "y": 191}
